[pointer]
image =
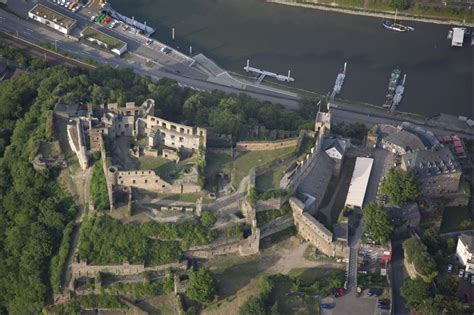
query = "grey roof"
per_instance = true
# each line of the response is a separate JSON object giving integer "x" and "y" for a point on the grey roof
{"x": 468, "y": 240}
{"x": 428, "y": 163}
{"x": 402, "y": 138}
{"x": 338, "y": 143}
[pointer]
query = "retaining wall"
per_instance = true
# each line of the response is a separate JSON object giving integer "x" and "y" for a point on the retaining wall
{"x": 265, "y": 145}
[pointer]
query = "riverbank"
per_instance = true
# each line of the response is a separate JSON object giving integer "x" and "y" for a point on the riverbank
{"x": 334, "y": 7}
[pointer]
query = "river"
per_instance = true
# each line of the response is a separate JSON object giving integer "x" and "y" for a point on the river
{"x": 315, "y": 44}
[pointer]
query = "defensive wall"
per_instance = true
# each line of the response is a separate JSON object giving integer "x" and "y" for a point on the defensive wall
{"x": 265, "y": 145}
{"x": 316, "y": 233}
{"x": 82, "y": 269}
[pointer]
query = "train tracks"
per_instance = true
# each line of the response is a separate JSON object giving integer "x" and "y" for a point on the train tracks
{"x": 44, "y": 54}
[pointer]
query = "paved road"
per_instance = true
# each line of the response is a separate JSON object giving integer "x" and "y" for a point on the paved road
{"x": 398, "y": 277}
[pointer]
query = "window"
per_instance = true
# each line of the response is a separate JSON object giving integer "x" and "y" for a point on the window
{"x": 163, "y": 125}
{"x": 181, "y": 139}
{"x": 172, "y": 136}
{"x": 133, "y": 181}
{"x": 146, "y": 181}
{"x": 181, "y": 130}
{"x": 163, "y": 186}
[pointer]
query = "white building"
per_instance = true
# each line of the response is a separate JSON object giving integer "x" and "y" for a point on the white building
{"x": 105, "y": 41}
{"x": 53, "y": 19}
{"x": 465, "y": 251}
{"x": 458, "y": 36}
{"x": 359, "y": 181}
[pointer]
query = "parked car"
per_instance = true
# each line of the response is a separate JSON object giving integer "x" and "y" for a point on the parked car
{"x": 461, "y": 273}
{"x": 166, "y": 50}
{"x": 472, "y": 280}
{"x": 384, "y": 304}
{"x": 341, "y": 291}
{"x": 450, "y": 268}
{"x": 466, "y": 276}
{"x": 374, "y": 292}
{"x": 328, "y": 305}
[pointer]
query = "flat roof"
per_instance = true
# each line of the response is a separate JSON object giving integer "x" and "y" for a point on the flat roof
{"x": 111, "y": 41}
{"x": 360, "y": 179}
{"x": 458, "y": 35}
{"x": 53, "y": 16}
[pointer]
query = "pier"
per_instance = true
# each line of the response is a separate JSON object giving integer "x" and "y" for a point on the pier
{"x": 262, "y": 74}
{"x": 397, "y": 98}
{"x": 339, "y": 82}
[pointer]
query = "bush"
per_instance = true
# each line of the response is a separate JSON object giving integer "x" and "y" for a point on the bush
{"x": 269, "y": 215}
{"x": 208, "y": 219}
{"x": 400, "y": 186}
{"x": 58, "y": 263}
{"x": 202, "y": 286}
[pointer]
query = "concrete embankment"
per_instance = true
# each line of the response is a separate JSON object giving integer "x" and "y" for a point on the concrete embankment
{"x": 372, "y": 13}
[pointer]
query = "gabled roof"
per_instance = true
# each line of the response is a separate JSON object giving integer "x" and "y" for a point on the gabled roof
{"x": 427, "y": 163}
{"x": 334, "y": 142}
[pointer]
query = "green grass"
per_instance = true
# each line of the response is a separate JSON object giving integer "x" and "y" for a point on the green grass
{"x": 291, "y": 303}
{"x": 240, "y": 167}
{"x": 271, "y": 179}
{"x": 456, "y": 219}
{"x": 310, "y": 275}
{"x": 112, "y": 42}
{"x": 152, "y": 163}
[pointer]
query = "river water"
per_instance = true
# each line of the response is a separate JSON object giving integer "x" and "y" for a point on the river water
{"x": 314, "y": 45}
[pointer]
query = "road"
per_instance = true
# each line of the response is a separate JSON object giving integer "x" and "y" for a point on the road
{"x": 398, "y": 277}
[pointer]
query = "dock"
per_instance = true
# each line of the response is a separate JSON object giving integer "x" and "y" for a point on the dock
{"x": 397, "y": 98}
{"x": 262, "y": 74}
{"x": 339, "y": 82}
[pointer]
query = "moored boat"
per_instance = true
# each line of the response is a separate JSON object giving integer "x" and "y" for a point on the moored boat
{"x": 394, "y": 26}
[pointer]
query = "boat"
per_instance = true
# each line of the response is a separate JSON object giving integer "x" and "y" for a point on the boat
{"x": 394, "y": 26}
{"x": 392, "y": 84}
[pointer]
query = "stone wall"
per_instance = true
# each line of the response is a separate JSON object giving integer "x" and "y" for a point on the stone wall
{"x": 109, "y": 173}
{"x": 76, "y": 142}
{"x": 277, "y": 225}
{"x": 315, "y": 232}
{"x": 265, "y": 145}
{"x": 82, "y": 269}
{"x": 171, "y": 134}
{"x": 244, "y": 247}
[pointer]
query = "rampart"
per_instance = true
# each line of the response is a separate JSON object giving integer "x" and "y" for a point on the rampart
{"x": 315, "y": 232}
{"x": 76, "y": 141}
{"x": 266, "y": 145}
{"x": 277, "y": 225}
{"x": 82, "y": 269}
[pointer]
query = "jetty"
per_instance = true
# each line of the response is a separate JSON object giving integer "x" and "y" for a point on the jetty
{"x": 262, "y": 74}
{"x": 339, "y": 82}
{"x": 397, "y": 98}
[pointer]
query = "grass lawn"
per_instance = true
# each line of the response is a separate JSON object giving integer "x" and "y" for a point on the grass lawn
{"x": 161, "y": 304}
{"x": 151, "y": 163}
{"x": 165, "y": 168}
{"x": 240, "y": 167}
{"x": 456, "y": 219}
{"x": 271, "y": 179}
{"x": 310, "y": 275}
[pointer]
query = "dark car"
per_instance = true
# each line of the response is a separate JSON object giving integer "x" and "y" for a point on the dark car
{"x": 328, "y": 305}
{"x": 334, "y": 292}
{"x": 374, "y": 292}
{"x": 384, "y": 304}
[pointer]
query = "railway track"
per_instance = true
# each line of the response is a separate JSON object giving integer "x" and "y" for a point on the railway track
{"x": 46, "y": 55}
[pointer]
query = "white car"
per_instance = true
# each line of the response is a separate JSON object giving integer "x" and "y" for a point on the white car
{"x": 461, "y": 273}
{"x": 472, "y": 280}
{"x": 450, "y": 268}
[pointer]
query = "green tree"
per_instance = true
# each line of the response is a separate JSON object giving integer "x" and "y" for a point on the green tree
{"x": 377, "y": 222}
{"x": 417, "y": 253}
{"x": 98, "y": 187}
{"x": 208, "y": 219}
{"x": 415, "y": 292}
{"x": 252, "y": 306}
{"x": 202, "y": 285}
{"x": 400, "y": 186}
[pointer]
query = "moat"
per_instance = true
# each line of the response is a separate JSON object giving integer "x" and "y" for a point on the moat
{"x": 314, "y": 45}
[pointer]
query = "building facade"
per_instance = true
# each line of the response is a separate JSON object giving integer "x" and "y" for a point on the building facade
{"x": 465, "y": 251}
{"x": 52, "y": 19}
